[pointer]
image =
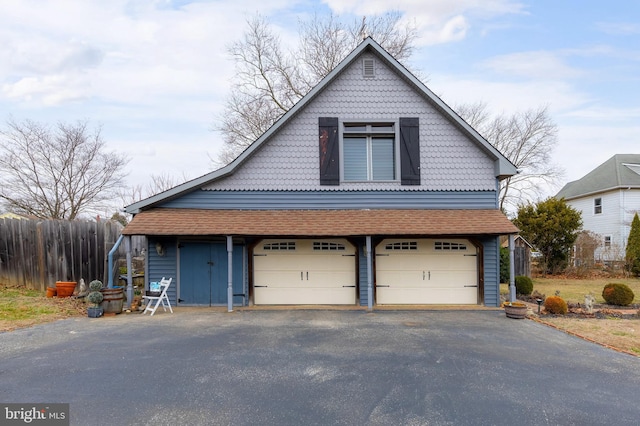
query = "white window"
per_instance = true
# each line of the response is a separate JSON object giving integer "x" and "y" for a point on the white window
{"x": 402, "y": 245}
{"x": 607, "y": 241}
{"x": 597, "y": 206}
{"x": 445, "y": 245}
{"x": 369, "y": 152}
{"x": 282, "y": 245}
{"x": 327, "y": 246}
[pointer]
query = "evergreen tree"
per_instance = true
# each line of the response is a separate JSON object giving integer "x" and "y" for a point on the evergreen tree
{"x": 633, "y": 247}
{"x": 551, "y": 226}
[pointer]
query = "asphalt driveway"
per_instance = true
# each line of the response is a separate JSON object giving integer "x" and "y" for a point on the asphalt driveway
{"x": 200, "y": 366}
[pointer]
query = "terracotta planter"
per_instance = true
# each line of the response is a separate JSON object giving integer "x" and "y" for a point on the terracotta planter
{"x": 65, "y": 288}
{"x": 51, "y": 292}
{"x": 515, "y": 310}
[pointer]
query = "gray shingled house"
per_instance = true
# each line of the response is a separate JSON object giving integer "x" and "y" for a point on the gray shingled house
{"x": 608, "y": 197}
{"x": 369, "y": 191}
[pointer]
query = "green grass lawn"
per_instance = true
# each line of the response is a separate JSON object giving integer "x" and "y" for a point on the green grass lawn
{"x": 573, "y": 290}
{"x": 20, "y": 307}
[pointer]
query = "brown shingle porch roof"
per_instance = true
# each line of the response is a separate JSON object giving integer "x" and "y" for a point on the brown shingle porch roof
{"x": 163, "y": 221}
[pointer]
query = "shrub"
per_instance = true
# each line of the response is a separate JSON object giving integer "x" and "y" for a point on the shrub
{"x": 524, "y": 285}
{"x": 504, "y": 265}
{"x": 95, "y": 285}
{"x": 555, "y": 305}
{"x": 617, "y": 294}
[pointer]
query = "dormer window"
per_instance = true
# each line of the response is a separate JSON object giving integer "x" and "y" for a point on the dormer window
{"x": 597, "y": 206}
{"x": 369, "y": 152}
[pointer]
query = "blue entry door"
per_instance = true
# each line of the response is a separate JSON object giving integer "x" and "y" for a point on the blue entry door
{"x": 204, "y": 273}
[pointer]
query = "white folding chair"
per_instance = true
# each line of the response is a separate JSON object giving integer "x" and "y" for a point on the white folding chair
{"x": 154, "y": 301}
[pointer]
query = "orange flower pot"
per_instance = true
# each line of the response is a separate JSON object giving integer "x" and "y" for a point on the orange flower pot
{"x": 51, "y": 291}
{"x": 65, "y": 288}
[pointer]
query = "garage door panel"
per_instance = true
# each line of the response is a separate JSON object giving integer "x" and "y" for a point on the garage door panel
{"x": 304, "y": 272}
{"x": 330, "y": 279}
{"x": 399, "y": 278}
{"x": 452, "y": 262}
{"x": 305, "y": 296}
{"x": 426, "y": 271}
{"x": 417, "y": 296}
{"x": 400, "y": 262}
{"x": 277, "y": 278}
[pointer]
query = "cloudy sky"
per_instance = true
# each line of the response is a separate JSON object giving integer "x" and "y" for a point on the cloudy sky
{"x": 155, "y": 73}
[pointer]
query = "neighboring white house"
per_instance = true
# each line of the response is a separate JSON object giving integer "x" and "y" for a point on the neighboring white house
{"x": 608, "y": 197}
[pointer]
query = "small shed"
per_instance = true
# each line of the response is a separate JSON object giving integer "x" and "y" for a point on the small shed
{"x": 521, "y": 254}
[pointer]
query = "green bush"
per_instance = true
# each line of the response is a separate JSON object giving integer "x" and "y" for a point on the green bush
{"x": 556, "y": 305}
{"x": 524, "y": 285}
{"x": 617, "y": 294}
{"x": 504, "y": 265}
{"x": 95, "y": 285}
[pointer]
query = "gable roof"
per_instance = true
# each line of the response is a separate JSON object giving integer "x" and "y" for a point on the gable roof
{"x": 503, "y": 167}
{"x": 620, "y": 171}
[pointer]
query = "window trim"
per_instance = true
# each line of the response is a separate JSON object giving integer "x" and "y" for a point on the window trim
{"x": 597, "y": 205}
{"x": 370, "y": 133}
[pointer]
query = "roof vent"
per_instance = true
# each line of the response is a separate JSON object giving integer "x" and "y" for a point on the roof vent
{"x": 633, "y": 167}
{"x": 368, "y": 69}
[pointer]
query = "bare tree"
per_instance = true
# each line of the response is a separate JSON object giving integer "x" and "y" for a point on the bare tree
{"x": 527, "y": 139}
{"x": 157, "y": 184}
{"x": 57, "y": 172}
{"x": 270, "y": 80}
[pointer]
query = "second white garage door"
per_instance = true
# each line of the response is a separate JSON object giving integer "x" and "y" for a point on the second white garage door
{"x": 304, "y": 272}
{"x": 426, "y": 271}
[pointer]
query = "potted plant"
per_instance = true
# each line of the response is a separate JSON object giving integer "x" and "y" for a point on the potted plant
{"x": 515, "y": 310}
{"x": 137, "y": 299}
{"x": 95, "y": 297}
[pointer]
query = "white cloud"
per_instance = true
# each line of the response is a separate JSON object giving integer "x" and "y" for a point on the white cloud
{"x": 543, "y": 65}
{"x": 588, "y": 146}
{"x": 49, "y": 90}
{"x": 438, "y": 21}
{"x": 507, "y": 96}
{"x": 619, "y": 28}
{"x": 607, "y": 114}
{"x": 129, "y": 53}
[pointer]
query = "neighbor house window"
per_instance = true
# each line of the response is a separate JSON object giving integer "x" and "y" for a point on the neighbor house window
{"x": 597, "y": 206}
{"x": 369, "y": 152}
{"x": 607, "y": 241}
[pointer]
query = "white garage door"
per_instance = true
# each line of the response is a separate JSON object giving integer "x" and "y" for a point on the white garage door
{"x": 304, "y": 272}
{"x": 426, "y": 271}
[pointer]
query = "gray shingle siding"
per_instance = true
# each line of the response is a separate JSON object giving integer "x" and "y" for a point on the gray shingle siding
{"x": 266, "y": 200}
{"x": 449, "y": 160}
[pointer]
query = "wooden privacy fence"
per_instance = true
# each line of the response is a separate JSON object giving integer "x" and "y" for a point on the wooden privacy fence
{"x": 37, "y": 253}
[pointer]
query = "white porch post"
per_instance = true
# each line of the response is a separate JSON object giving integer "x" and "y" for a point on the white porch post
{"x": 369, "y": 275}
{"x": 512, "y": 269}
{"x": 230, "y": 273}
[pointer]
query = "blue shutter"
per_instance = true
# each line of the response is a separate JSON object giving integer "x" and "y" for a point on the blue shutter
{"x": 329, "y": 151}
{"x": 409, "y": 151}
